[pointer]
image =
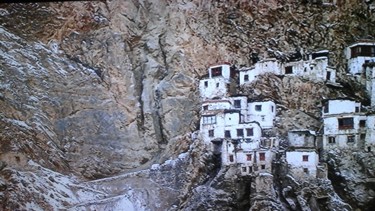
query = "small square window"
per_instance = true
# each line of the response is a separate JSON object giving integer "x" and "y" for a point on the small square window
{"x": 237, "y": 103}
{"x": 227, "y": 134}
{"x": 205, "y": 107}
{"x": 289, "y": 70}
{"x": 211, "y": 133}
{"x": 357, "y": 109}
{"x": 231, "y": 158}
{"x": 258, "y": 107}
{"x": 243, "y": 169}
{"x": 206, "y": 84}
{"x": 239, "y": 132}
{"x": 362, "y": 123}
{"x": 248, "y": 157}
{"x": 246, "y": 78}
{"x": 351, "y": 138}
{"x": 306, "y": 170}
{"x": 249, "y": 131}
{"x": 262, "y": 156}
{"x": 305, "y": 158}
{"x": 263, "y": 166}
{"x": 331, "y": 140}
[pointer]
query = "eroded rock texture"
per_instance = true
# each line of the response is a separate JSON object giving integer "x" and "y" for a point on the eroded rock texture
{"x": 95, "y": 89}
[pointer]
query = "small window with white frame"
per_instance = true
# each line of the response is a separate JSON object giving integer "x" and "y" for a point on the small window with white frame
{"x": 209, "y": 119}
{"x": 331, "y": 140}
{"x": 258, "y": 107}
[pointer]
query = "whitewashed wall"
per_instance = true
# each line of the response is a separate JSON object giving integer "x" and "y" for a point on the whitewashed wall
{"x": 341, "y": 136}
{"x": 217, "y": 87}
{"x": 225, "y": 71}
{"x": 265, "y": 117}
{"x": 370, "y": 133}
{"x": 355, "y": 64}
{"x": 296, "y": 163}
{"x": 261, "y": 67}
{"x": 230, "y": 122}
{"x": 341, "y": 106}
{"x": 217, "y": 104}
{"x": 370, "y": 84}
{"x": 313, "y": 69}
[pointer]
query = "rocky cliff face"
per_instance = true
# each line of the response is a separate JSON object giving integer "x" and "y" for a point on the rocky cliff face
{"x": 95, "y": 89}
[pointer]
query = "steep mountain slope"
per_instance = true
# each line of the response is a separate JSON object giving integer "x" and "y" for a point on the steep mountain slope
{"x": 95, "y": 89}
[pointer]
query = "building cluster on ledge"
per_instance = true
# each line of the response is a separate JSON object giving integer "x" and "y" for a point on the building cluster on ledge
{"x": 236, "y": 127}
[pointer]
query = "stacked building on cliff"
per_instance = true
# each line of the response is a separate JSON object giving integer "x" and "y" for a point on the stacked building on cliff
{"x": 236, "y": 126}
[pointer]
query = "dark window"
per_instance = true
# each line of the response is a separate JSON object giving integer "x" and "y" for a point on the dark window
{"x": 345, "y": 123}
{"x": 246, "y": 78}
{"x": 211, "y": 133}
{"x": 227, "y": 134}
{"x": 356, "y": 109}
{"x": 263, "y": 166}
{"x": 206, "y": 84}
{"x": 209, "y": 120}
{"x": 216, "y": 71}
{"x": 272, "y": 109}
{"x": 205, "y": 107}
{"x": 249, "y": 131}
{"x": 305, "y": 158}
{"x": 326, "y": 108}
{"x": 243, "y": 169}
{"x": 289, "y": 70}
{"x": 237, "y": 103}
{"x": 368, "y": 149}
{"x": 351, "y": 138}
{"x": 328, "y": 75}
{"x": 331, "y": 140}
{"x": 319, "y": 54}
{"x": 258, "y": 107}
{"x": 248, "y": 157}
{"x": 363, "y": 136}
{"x": 362, "y": 123}
{"x": 363, "y": 50}
{"x": 306, "y": 170}
{"x": 250, "y": 169}
{"x": 262, "y": 156}
{"x": 231, "y": 159}
{"x": 239, "y": 132}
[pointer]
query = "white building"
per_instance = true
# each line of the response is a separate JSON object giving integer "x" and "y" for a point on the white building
{"x": 301, "y": 156}
{"x": 345, "y": 126}
{"x": 218, "y": 83}
{"x": 303, "y": 163}
{"x": 263, "y": 112}
{"x": 358, "y": 54}
{"x": 340, "y": 106}
{"x": 219, "y": 124}
{"x": 314, "y": 68}
{"x": 370, "y": 133}
{"x": 248, "y": 75}
{"x": 369, "y": 81}
{"x": 250, "y": 156}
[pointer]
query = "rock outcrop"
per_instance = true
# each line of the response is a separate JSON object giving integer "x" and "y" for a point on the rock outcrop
{"x": 98, "y": 89}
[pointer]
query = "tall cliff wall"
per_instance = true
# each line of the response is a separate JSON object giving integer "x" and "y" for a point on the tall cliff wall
{"x": 101, "y": 88}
